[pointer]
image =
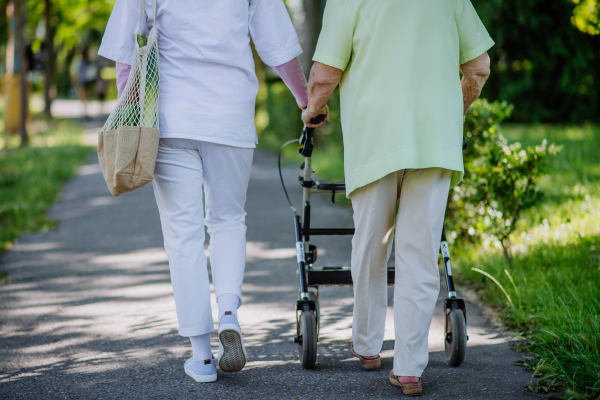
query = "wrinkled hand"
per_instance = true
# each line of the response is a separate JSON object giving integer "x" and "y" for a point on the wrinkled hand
{"x": 307, "y": 115}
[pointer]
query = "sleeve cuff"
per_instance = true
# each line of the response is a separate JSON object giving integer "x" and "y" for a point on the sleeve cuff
{"x": 285, "y": 56}
{"x": 477, "y": 51}
{"x": 331, "y": 61}
{"x": 122, "y": 56}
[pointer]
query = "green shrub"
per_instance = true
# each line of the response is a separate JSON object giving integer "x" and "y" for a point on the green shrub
{"x": 500, "y": 180}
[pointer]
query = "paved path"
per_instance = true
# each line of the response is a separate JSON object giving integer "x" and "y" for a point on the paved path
{"x": 89, "y": 312}
{"x": 64, "y": 108}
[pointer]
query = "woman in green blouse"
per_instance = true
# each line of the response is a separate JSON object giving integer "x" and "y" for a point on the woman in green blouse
{"x": 402, "y": 107}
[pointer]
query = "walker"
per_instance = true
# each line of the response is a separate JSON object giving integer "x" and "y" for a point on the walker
{"x": 311, "y": 277}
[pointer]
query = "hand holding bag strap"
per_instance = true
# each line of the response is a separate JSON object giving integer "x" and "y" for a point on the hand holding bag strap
{"x": 142, "y": 6}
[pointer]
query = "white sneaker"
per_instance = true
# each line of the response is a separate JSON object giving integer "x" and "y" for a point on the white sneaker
{"x": 201, "y": 371}
{"x": 232, "y": 353}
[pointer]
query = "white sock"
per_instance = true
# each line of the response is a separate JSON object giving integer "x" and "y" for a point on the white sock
{"x": 201, "y": 347}
{"x": 228, "y": 302}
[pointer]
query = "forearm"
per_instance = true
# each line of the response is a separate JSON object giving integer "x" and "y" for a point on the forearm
{"x": 471, "y": 89}
{"x": 475, "y": 74}
{"x": 292, "y": 75}
{"x": 321, "y": 84}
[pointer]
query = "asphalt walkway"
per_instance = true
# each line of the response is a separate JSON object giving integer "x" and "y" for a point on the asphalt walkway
{"x": 89, "y": 311}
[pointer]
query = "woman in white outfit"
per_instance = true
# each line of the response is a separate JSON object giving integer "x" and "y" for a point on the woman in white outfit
{"x": 207, "y": 97}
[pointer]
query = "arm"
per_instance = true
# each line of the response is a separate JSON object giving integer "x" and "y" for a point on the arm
{"x": 122, "y": 76}
{"x": 292, "y": 75}
{"x": 475, "y": 73}
{"x": 321, "y": 84}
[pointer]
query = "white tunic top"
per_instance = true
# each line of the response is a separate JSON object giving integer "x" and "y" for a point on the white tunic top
{"x": 208, "y": 85}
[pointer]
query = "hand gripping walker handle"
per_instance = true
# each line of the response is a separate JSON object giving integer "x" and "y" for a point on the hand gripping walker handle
{"x": 318, "y": 119}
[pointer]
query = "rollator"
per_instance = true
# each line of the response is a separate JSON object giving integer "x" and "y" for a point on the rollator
{"x": 311, "y": 277}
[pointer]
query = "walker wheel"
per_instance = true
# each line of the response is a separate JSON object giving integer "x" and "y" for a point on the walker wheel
{"x": 313, "y": 296}
{"x": 455, "y": 338}
{"x": 307, "y": 339}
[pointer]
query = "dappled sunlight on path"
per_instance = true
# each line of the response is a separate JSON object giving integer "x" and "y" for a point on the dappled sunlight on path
{"x": 88, "y": 311}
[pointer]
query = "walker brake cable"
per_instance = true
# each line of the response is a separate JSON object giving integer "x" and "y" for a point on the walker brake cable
{"x": 281, "y": 176}
{"x": 305, "y": 136}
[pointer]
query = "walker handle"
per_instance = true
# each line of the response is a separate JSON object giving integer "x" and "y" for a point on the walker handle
{"x": 318, "y": 119}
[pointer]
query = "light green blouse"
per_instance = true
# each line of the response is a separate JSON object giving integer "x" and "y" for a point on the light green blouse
{"x": 401, "y": 99}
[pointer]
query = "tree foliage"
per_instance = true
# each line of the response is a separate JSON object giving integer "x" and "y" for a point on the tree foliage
{"x": 586, "y": 16}
{"x": 77, "y": 23}
{"x": 542, "y": 63}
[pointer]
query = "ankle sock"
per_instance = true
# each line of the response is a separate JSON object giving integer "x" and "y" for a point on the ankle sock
{"x": 201, "y": 347}
{"x": 228, "y": 302}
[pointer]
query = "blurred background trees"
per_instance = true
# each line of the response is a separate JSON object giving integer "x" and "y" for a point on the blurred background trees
{"x": 55, "y": 35}
{"x": 546, "y": 58}
{"x": 545, "y": 61}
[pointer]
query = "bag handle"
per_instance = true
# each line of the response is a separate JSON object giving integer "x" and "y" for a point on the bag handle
{"x": 142, "y": 6}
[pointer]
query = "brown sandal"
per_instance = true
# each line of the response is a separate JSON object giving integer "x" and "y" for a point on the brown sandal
{"x": 409, "y": 389}
{"x": 368, "y": 364}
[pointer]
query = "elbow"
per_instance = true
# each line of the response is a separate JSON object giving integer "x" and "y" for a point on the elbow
{"x": 482, "y": 66}
{"x": 484, "y": 71}
{"x": 477, "y": 70}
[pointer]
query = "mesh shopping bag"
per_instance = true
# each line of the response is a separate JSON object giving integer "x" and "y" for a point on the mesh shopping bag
{"x": 128, "y": 142}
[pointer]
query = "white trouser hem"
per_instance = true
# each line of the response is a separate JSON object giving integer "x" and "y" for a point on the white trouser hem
{"x": 197, "y": 330}
{"x": 231, "y": 290}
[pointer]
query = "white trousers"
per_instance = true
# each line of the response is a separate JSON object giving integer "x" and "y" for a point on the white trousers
{"x": 418, "y": 220}
{"x": 183, "y": 168}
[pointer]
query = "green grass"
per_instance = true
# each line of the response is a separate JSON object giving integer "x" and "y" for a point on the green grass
{"x": 31, "y": 178}
{"x": 554, "y": 283}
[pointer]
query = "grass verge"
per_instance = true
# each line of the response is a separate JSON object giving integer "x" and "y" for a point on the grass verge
{"x": 551, "y": 294}
{"x": 31, "y": 178}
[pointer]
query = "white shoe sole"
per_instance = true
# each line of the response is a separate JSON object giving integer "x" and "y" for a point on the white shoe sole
{"x": 201, "y": 378}
{"x": 233, "y": 358}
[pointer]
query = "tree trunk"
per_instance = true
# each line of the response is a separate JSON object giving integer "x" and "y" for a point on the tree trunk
{"x": 20, "y": 9}
{"x": 313, "y": 19}
{"x": 49, "y": 60}
{"x": 506, "y": 247}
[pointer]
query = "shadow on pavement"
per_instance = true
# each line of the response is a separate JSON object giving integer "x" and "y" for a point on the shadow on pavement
{"x": 89, "y": 313}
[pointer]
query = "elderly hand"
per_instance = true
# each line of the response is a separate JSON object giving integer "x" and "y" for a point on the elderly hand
{"x": 307, "y": 115}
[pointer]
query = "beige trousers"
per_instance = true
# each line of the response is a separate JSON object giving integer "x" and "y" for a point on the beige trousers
{"x": 417, "y": 220}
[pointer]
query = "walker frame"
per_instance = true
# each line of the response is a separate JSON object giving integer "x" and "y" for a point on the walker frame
{"x": 312, "y": 277}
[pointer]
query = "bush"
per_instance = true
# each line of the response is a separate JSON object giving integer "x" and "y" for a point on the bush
{"x": 500, "y": 180}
